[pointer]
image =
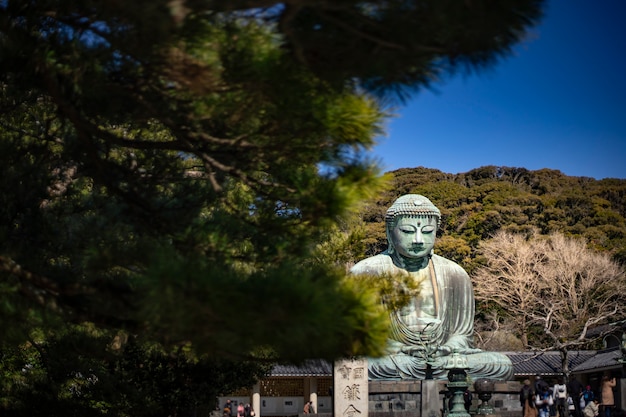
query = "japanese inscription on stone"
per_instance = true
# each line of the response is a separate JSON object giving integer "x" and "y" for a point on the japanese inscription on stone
{"x": 350, "y": 388}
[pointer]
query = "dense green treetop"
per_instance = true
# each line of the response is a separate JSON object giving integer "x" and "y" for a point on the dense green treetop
{"x": 477, "y": 204}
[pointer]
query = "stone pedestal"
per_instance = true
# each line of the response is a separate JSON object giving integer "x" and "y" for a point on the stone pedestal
{"x": 394, "y": 396}
{"x": 430, "y": 404}
{"x": 406, "y": 398}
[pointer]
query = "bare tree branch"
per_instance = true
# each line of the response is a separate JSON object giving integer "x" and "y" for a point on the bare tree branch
{"x": 553, "y": 282}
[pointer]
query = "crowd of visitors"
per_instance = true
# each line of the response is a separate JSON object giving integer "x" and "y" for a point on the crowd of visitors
{"x": 537, "y": 400}
{"x": 240, "y": 410}
{"x": 568, "y": 400}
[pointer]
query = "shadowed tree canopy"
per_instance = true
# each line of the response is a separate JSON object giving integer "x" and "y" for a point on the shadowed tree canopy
{"x": 169, "y": 166}
{"x": 395, "y": 46}
{"x": 170, "y": 170}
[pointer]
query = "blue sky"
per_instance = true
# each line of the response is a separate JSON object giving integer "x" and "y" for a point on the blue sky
{"x": 558, "y": 102}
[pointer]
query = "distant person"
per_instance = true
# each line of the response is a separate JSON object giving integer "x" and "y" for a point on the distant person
{"x": 608, "y": 399}
{"x": 592, "y": 409}
{"x": 540, "y": 384}
{"x": 240, "y": 410}
{"x": 544, "y": 401}
{"x": 228, "y": 408}
{"x": 467, "y": 399}
{"x": 553, "y": 412}
{"x": 527, "y": 400}
{"x": 588, "y": 395}
{"x": 571, "y": 408}
{"x": 308, "y": 408}
{"x": 559, "y": 392}
{"x": 575, "y": 390}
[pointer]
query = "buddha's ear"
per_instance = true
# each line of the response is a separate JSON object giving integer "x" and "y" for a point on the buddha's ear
{"x": 388, "y": 227}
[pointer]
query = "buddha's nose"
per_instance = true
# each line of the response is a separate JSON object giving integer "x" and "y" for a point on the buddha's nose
{"x": 418, "y": 238}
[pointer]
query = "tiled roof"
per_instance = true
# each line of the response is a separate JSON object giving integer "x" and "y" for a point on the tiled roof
{"x": 313, "y": 367}
{"x": 616, "y": 328}
{"x": 601, "y": 360}
{"x": 545, "y": 363}
{"x": 524, "y": 364}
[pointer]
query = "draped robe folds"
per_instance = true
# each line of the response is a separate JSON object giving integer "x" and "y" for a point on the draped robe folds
{"x": 451, "y": 327}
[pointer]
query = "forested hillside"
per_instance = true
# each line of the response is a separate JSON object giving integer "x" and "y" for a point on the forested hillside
{"x": 478, "y": 203}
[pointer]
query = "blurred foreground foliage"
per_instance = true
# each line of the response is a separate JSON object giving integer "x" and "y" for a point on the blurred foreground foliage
{"x": 174, "y": 171}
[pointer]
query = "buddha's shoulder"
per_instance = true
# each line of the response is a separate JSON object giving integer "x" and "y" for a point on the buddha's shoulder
{"x": 377, "y": 264}
{"x": 445, "y": 263}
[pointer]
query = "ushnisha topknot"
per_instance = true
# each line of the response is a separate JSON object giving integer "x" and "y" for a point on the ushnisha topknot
{"x": 412, "y": 205}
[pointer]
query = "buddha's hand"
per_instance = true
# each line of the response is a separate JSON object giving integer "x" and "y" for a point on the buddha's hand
{"x": 413, "y": 350}
{"x": 449, "y": 350}
{"x": 444, "y": 350}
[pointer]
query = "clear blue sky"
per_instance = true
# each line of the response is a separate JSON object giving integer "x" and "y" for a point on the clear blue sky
{"x": 558, "y": 102}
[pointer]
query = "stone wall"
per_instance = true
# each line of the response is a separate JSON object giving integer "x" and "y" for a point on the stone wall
{"x": 391, "y": 399}
{"x": 403, "y": 398}
{"x": 386, "y": 396}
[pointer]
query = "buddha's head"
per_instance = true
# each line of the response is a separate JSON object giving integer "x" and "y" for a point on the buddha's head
{"x": 411, "y": 223}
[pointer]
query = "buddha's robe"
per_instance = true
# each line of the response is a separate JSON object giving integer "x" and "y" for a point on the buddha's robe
{"x": 442, "y": 317}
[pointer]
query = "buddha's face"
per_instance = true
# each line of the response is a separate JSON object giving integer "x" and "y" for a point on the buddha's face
{"x": 414, "y": 237}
